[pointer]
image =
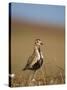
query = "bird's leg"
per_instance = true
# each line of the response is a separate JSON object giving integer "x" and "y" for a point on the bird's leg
{"x": 34, "y": 72}
{"x": 31, "y": 78}
{"x": 33, "y": 75}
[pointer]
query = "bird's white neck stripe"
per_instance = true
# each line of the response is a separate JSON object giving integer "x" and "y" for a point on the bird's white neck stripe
{"x": 38, "y": 54}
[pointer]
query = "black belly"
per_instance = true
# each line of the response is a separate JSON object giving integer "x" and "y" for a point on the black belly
{"x": 37, "y": 65}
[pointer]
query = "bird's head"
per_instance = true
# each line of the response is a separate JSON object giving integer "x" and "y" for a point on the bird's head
{"x": 38, "y": 42}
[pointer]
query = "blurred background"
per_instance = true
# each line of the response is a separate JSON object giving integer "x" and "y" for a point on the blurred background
{"x": 32, "y": 21}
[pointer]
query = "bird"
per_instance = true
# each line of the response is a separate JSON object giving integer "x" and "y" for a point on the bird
{"x": 35, "y": 61}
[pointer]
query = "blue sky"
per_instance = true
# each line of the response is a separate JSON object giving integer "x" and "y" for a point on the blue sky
{"x": 39, "y": 12}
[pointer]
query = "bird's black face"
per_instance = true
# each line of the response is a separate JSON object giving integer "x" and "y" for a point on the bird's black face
{"x": 38, "y": 42}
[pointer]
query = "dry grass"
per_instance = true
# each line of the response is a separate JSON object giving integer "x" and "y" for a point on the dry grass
{"x": 40, "y": 79}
